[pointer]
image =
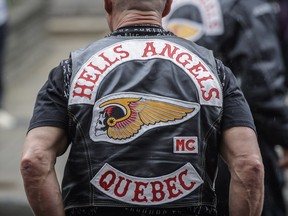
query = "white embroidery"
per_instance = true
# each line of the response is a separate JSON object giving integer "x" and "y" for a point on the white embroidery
{"x": 147, "y": 191}
{"x": 86, "y": 82}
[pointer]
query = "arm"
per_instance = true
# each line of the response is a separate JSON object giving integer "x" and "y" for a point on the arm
{"x": 42, "y": 146}
{"x": 240, "y": 150}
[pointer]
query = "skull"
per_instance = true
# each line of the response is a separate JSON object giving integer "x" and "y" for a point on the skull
{"x": 101, "y": 125}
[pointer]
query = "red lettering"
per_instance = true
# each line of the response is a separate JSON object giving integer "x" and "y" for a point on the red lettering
{"x": 85, "y": 89}
{"x": 118, "y": 184}
{"x": 188, "y": 146}
{"x": 107, "y": 184}
{"x": 101, "y": 70}
{"x": 139, "y": 191}
{"x": 203, "y": 79}
{"x": 171, "y": 187}
{"x": 182, "y": 183}
{"x": 186, "y": 60}
{"x": 210, "y": 94}
{"x": 118, "y": 50}
{"x": 150, "y": 48}
{"x": 82, "y": 89}
{"x": 195, "y": 71}
{"x": 180, "y": 144}
{"x": 157, "y": 194}
{"x": 210, "y": 7}
{"x": 147, "y": 191}
{"x": 88, "y": 77}
{"x": 197, "y": 68}
{"x": 167, "y": 51}
{"x": 214, "y": 24}
{"x": 109, "y": 61}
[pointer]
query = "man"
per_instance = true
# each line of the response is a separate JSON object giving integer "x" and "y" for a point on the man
{"x": 146, "y": 114}
{"x": 283, "y": 17}
{"x": 244, "y": 35}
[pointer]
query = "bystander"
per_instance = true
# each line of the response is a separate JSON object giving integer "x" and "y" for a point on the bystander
{"x": 244, "y": 35}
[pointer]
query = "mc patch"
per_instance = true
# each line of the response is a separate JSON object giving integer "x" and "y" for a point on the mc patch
{"x": 188, "y": 145}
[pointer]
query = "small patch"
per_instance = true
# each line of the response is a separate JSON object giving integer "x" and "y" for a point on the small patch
{"x": 185, "y": 145}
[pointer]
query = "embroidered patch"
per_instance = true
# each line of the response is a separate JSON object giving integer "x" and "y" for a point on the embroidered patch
{"x": 265, "y": 8}
{"x": 121, "y": 118}
{"x": 147, "y": 191}
{"x": 86, "y": 82}
{"x": 187, "y": 145}
{"x": 192, "y": 19}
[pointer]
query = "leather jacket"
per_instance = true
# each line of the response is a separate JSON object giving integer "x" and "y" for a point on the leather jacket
{"x": 234, "y": 30}
{"x": 145, "y": 118}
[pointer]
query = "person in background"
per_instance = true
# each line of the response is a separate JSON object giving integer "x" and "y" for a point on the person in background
{"x": 146, "y": 114}
{"x": 6, "y": 120}
{"x": 283, "y": 25}
{"x": 244, "y": 35}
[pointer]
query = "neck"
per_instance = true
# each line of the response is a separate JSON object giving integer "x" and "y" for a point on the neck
{"x": 137, "y": 18}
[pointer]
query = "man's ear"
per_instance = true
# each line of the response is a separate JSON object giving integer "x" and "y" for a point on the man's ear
{"x": 108, "y": 6}
{"x": 167, "y": 8}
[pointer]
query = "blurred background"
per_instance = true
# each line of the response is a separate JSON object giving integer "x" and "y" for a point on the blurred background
{"x": 40, "y": 34}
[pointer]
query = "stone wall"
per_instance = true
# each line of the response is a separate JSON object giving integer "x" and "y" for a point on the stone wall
{"x": 31, "y": 22}
{"x": 76, "y": 8}
{"x": 27, "y": 35}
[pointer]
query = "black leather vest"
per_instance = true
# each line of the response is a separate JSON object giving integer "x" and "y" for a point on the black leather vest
{"x": 145, "y": 115}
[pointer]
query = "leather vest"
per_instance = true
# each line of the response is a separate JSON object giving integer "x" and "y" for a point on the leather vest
{"x": 145, "y": 118}
{"x": 234, "y": 31}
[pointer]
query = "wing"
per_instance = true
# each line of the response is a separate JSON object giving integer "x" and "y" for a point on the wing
{"x": 126, "y": 128}
{"x": 152, "y": 112}
{"x": 127, "y": 125}
{"x": 145, "y": 112}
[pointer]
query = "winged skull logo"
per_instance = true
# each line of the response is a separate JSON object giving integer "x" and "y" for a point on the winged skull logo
{"x": 123, "y": 118}
{"x": 185, "y": 20}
